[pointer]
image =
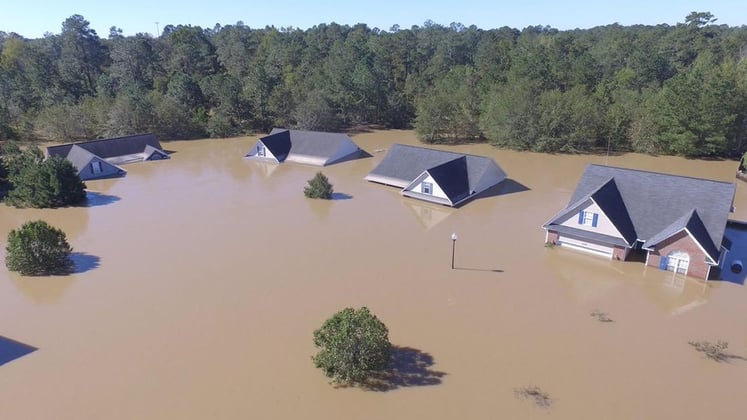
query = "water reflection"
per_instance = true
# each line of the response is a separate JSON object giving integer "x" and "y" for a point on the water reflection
{"x": 589, "y": 278}
{"x": 675, "y": 293}
{"x": 43, "y": 290}
{"x": 71, "y": 220}
{"x": 429, "y": 215}
{"x": 320, "y": 208}
{"x": 95, "y": 199}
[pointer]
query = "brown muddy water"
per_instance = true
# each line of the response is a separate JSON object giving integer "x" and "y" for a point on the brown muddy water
{"x": 202, "y": 278}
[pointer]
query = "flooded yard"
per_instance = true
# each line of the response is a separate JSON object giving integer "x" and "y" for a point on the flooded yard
{"x": 201, "y": 279}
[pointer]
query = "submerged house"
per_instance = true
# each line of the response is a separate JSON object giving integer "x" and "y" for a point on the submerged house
{"x": 437, "y": 176}
{"x": 101, "y": 158}
{"x": 308, "y": 147}
{"x": 677, "y": 221}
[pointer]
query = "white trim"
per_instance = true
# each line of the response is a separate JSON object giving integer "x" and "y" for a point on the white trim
{"x": 571, "y": 212}
{"x": 708, "y": 257}
{"x": 588, "y": 247}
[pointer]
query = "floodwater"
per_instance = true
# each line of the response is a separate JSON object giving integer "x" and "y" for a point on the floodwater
{"x": 201, "y": 279}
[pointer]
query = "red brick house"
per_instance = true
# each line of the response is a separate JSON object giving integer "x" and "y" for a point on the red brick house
{"x": 677, "y": 221}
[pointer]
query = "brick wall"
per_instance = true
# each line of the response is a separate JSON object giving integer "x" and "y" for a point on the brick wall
{"x": 682, "y": 242}
{"x": 552, "y": 237}
{"x": 620, "y": 253}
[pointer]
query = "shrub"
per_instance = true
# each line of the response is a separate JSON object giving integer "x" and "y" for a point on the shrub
{"x": 354, "y": 345}
{"x": 38, "y": 249}
{"x": 49, "y": 183}
{"x": 714, "y": 351}
{"x": 319, "y": 187}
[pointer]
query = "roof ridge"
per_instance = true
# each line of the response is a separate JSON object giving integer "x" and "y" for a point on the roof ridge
{"x": 440, "y": 150}
{"x": 658, "y": 173}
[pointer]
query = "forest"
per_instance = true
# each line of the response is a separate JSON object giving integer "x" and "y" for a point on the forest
{"x": 665, "y": 89}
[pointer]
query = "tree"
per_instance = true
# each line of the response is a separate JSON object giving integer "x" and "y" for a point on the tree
{"x": 82, "y": 57}
{"x": 354, "y": 344}
{"x": 319, "y": 187}
{"x": 38, "y": 249}
{"x": 38, "y": 183}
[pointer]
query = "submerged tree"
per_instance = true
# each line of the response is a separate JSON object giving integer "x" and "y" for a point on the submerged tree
{"x": 38, "y": 249}
{"x": 319, "y": 187}
{"x": 353, "y": 344}
{"x": 39, "y": 183}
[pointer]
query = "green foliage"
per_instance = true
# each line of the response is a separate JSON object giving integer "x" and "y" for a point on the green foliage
{"x": 449, "y": 112}
{"x": 672, "y": 89}
{"x": 319, "y": 187}
{"x": 40, "y": 183}
{"x": 37, "y": 248}
{"x": 354, "y": 344}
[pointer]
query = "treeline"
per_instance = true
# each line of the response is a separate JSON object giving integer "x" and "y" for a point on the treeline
{"x": 678, "y": 89}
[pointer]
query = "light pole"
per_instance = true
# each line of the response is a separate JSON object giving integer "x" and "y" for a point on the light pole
{"x": 453, "y": 247}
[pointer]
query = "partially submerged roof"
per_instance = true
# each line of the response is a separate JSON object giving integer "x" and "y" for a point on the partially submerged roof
{"x": 656, "y": 204}
{"x": 453, "y": 178}
{"x": 110, "y": 148}
{"x": 402, "y": 164}
{"x": 309, "y": 147}
{"x": 312, "y": 143}
{"x": 459, "y": 176}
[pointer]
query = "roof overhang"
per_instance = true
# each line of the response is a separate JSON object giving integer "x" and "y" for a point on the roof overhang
{"x": 709, "y": 258}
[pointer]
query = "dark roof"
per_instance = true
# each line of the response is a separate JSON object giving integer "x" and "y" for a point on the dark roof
{"x": 108, "y": 148}
{"x": 405, "y": 163}
{"x": 452, "y": 178}
{"x": 693, "y": 223}
{"x": 279, "y": 144}
{"x": 308, "y": 143}
{"x": 656, "y": 202}
{"x": 608, "y": 198}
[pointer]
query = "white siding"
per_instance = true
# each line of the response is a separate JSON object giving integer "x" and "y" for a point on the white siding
{"x": 604, "y": 226}
{"x": 416, "y": 186}
{"x": 268, "y": 154}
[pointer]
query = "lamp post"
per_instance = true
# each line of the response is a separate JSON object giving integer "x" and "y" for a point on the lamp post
{"x": 453, "y": 247}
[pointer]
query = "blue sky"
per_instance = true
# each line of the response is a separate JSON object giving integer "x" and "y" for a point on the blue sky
{"x": 32, "y": 18}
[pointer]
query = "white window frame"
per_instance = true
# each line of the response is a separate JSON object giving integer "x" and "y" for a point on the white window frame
{"x": 261, "y": 150}
{"x": 588, "y": 218}
{"x": 678, "y": 262}
{"x": 426, "y": 187}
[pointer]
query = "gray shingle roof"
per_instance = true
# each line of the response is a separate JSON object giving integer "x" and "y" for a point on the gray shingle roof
{"x": 309, "y": 143}
{"x": 657, "y": 203}
{"x": 79, "y": 157}
{"x": 279, "y": 144}
{"x": 108, "y": 148}
{"x": 694, "y": 224}
{"x": 402, "y": 164}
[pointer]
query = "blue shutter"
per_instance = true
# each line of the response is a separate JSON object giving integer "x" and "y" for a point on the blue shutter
{"x": 663, "y": 263}
{"x": 581, "y": 217}
{"x": 594, "y": 220}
